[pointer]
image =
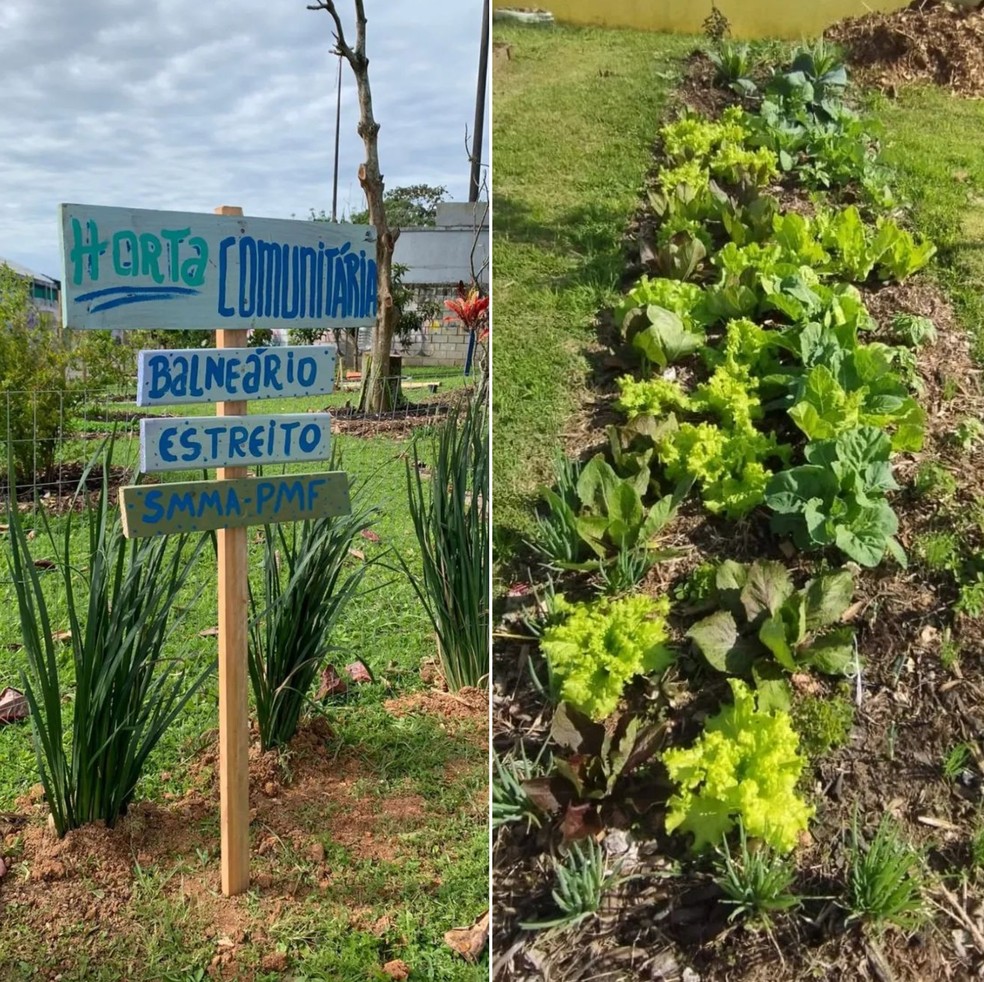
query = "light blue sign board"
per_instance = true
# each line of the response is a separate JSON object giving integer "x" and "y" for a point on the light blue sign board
{"x": 194, "y": 442}
{"x": 197, "y": 506}
{"x": 171, "y": 378}
{"x": 129, "y": 268}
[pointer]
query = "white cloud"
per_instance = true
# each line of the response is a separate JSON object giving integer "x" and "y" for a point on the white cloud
{"x": 187, "y": 104}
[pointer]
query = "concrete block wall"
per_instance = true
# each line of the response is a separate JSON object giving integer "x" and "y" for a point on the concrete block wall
{"x": 439, "y": 343}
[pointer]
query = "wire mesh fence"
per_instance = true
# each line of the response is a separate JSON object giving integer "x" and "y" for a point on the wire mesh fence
{"x": 48, "y": 437}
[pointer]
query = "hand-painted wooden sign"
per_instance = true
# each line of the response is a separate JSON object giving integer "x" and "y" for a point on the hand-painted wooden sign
{"x": 196, "y": 506}
{"x": 128, "y": 268}
{"x": 194, "y": 442}
{"x": 170, "y": 378}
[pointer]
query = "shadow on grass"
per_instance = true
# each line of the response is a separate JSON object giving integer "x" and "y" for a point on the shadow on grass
{"x": 584, "y": 237}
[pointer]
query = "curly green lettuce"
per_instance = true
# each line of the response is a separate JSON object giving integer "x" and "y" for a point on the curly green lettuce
{"x": 744, "y": 765}
{"x": 650, "y": 397}
{"x": 728, "y": 465}
{"x": 731, "y": 394}
{"x": 596, "y": 648}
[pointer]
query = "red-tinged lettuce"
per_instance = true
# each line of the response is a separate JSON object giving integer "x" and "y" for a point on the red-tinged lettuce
{"x": 744, "y": 765}
{"x": 595, "y": 649}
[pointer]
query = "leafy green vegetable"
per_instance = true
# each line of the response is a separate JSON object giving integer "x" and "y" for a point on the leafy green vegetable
{"x": 762, "y": 616}
{"x": 728, "y": 465}
{"x": 666, "y": 338}
{"x": 654, "y": 396}
{"x": 613, "y": 513}
{"x": 824, "y": 408}
{"x": 674, "y": 295}
{"x": 837, "y": 498}
{"x": 595, "y": 649}
{"x": 745, "y": 766}
{"x": 912, "y": 330}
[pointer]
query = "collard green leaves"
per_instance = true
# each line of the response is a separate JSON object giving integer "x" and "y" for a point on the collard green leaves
{"x": 837, "y": 498}
{"x": 762, "y": 616}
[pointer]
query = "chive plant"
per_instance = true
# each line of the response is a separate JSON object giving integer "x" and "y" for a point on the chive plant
{"x": 305, "y": 589}
{"x": 451, "y": 520}
{"x": 120, "y": 596}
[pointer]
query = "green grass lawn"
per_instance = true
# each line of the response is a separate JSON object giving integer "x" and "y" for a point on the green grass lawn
{"x": 933, "y": 144}
{"x": 412, "y": 755}
{"x": 576, "y": 111}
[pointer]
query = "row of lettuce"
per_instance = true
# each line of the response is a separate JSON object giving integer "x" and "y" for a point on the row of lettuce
{"x": 763, "y": 386}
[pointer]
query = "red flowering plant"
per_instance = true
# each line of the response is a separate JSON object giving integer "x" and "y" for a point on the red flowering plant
{"x": 472, "y": 309}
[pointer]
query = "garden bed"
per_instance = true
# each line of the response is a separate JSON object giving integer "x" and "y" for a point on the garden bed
{"x": 897, "y": 735}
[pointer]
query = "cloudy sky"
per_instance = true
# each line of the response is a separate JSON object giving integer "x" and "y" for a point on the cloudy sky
{"x": 188, "y": 104}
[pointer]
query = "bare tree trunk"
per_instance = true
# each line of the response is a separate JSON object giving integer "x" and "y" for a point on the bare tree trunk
{"x": 380, "y": 394}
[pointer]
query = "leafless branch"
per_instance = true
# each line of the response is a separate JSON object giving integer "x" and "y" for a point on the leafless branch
{"x": 481, "y": 218}
{"x": 341, "y": 45}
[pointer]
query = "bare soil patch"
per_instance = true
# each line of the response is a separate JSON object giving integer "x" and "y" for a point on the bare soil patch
{"x": 302, "y": 804}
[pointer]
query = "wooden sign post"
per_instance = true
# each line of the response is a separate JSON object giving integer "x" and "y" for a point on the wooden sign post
{"x": 233, "y": 655}
{"x": 144, "y": 269}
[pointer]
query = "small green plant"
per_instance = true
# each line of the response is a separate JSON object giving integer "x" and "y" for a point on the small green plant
{"x": 124, "y": 691}
{"x": 970, "y": 603}
{"x": 451, "y": 522}
{"x": 838, "y": 497}
{"x": 698, "y": 586}
{"x": 968, "y": 434}
{"x": 885, "y": 879}
{"x": 949, "y": 650}
{"x": 733, "y": 66}
{"x": 935, "y": 481}
{"x": 582, "y": 878}
{"x": 823, "y": 723}
{"x": 626, "y": 571}
{"x": 510, "y": 801}
{"x": 955, "y": 761}
{"x": 977, "y": 847}
{"x": 595, "y": 649}
{"x": 556, "y": 536}
{"x": 745, "y": 765}
{"x": 762, "y": 617}
{"x": 306, "y": 586}
{"x": 612, "y": 515}
{"x": 756, "y": 880}
{"x": 938, "y": 551}
{"x": 951, "y": 389}
{"x": 912, "y": 330}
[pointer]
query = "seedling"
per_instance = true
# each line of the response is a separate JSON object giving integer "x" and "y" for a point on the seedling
{"x": 756, "y": 882}
{"x": 938, "y": 551}
{"x": 885, "y": 880}
{"x": 934, "y": 480}
{"x": 971, "y": 600}
{"x": 955, "y": 762}
{"x": 582, "y": 879}
{"x": 968, "y": 434}
{"x": 510, "y": 801}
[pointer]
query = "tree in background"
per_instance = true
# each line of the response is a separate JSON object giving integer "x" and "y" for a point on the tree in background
{"x": 379, "y": 394}
{"x": 34, "y": 359}
{"x": 414, "y": 206}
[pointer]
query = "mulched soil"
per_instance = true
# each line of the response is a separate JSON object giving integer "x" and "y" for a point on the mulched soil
{"x": 928, "y": 41}
{"x": 661, "y": 925}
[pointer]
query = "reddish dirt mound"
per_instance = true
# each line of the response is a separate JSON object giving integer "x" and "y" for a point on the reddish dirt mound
{"x": 927, "y": 41}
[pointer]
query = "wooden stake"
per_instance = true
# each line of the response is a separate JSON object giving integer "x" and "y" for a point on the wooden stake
{"x": 233, "y": 674}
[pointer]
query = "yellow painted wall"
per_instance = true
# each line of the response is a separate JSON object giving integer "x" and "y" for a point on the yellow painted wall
{"x": 749, "y": 18}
